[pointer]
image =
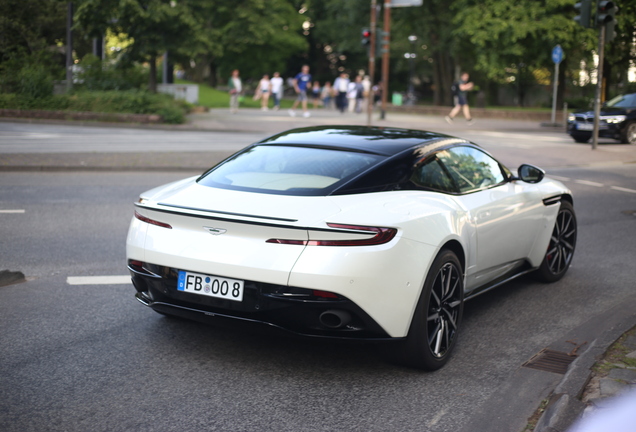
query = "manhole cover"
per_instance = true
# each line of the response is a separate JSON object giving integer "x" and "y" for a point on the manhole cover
{"x": 550, "y": 361}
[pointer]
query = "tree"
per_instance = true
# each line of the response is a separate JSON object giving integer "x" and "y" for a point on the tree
{"x": 155, "y": 26}
{"x": 620, "y": 53}
{"x": 256, "y": 36}
{"x": 510, "y": 40}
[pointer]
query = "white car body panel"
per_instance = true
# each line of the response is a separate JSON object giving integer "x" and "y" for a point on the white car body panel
{"x": 224, "y": 232}
{"x": 425, "y": 220}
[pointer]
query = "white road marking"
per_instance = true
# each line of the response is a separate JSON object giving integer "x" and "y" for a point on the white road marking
{"x": 622, "y": 189}
{"x": 98, "y": 280}
{"x": 589, "y": 183}
{"x": 529, "y": 137}
{"x": 437, "y": 417}
{"x": 559, "y": 178}
{"x": 12, "y": 211}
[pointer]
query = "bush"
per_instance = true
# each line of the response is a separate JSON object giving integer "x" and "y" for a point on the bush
{"x": 98, "y": 75}
{"x": 131, "y": 101}
{"x": 579, "y": 103}
{"x": 34, "y": 82}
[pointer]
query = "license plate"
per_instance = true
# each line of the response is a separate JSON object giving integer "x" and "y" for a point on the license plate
{"x": 585, "y": 126}
{"x": 213, "y": 286}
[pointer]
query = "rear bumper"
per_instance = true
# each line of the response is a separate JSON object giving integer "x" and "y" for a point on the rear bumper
{"x": 295, "y": 310}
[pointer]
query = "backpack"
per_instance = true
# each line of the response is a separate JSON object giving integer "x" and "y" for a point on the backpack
{"x": 455, "y": 88}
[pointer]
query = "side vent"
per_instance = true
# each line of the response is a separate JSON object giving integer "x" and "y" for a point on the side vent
{"x": 552, "y": 200}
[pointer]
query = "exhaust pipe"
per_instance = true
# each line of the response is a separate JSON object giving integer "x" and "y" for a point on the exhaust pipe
{"x": 334, "y": 318}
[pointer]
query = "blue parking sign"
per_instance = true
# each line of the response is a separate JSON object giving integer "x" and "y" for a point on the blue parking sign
{"x": 557, "y": 54}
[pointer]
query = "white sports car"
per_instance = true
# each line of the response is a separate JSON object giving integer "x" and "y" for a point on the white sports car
{"x": 350, "y": 232}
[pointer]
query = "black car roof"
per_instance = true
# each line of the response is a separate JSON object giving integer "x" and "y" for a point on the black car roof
{"x": 380, "y": 140}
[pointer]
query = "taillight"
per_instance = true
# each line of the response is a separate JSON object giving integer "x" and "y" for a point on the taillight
{"x": 382, "y": 235}
{"x": 324, "y": 294}
{"x": 152, "y": 221}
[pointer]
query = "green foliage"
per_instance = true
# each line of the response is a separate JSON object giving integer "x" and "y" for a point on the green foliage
{"x": 132, "y": 101}
{"x": 506, "y": 34}
{"x": 29, "y": 26}
{"x": 34, "y": 82}
{"x": 255, "y": 36}
{"x": 98, "y": 75}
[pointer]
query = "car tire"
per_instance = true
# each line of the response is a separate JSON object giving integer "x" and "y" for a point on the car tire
{"x": 435, "y": 325}
{"x": 581, "y": 138}
{"x": 558, "y": 256}
{"x": 629, "y": 133}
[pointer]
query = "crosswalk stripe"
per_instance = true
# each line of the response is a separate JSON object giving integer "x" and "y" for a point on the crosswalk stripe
{"x": 98, "y": 280}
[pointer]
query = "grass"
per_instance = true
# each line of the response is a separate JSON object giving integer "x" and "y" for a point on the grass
{"x": 213, "y": 98}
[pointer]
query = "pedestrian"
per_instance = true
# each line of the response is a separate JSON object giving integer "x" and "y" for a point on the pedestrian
{"x": 355, "y": 93}
{"x": 302, "y": 83}
{"x": 366, "y": 85}
{"x": 263, "y": 91}
{"x": 277, "y": 89}
{"x": 326, "y": 94}
{"x": 315, "y": 93}
{"x": 377, "y": 93}
{"x": 235, "y": 88}
{"x": 461, "y": 89}
{"x": 340, "y": 86}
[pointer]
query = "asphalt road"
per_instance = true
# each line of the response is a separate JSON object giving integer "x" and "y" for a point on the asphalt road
{"x": 89, "y": 357}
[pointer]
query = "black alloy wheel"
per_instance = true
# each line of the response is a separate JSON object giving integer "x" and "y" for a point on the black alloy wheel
{"x": 443, "y": 310}
{"x": 435, "y": 325}
{"x": 560, "y": 251}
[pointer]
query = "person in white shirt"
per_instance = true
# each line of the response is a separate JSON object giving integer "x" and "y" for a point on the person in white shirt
{"x": 277, "y": 89}
{"x": 262, "y": 92}
{"x": 340, "y": 87}
{"x": 355, "y": 94}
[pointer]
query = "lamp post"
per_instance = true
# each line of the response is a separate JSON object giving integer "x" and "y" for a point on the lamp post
{"x": 411, "y": 57}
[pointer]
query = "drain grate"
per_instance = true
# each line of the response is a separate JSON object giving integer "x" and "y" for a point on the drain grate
{"x": 550, "y": 361}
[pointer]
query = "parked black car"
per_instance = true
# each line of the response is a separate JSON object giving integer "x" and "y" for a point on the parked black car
{"x": 618, "y": 121}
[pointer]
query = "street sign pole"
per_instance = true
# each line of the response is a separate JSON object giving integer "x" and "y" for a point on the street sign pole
{"x": 599, "y": 86}
{"x": 557, "y": 57}
{"x": 554, "y": 91}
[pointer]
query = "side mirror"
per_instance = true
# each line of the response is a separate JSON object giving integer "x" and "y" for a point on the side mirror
{"x": 529, "y": 174}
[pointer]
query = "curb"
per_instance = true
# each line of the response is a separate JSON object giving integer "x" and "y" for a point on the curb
{"x": 564, "y": 406}
{"x": 81, "y": 115}
{"x": 93, "y": 123}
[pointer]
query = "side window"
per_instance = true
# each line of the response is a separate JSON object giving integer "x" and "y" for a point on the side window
{"x": 470, "y": 168}
{"x": 431, "y": 175}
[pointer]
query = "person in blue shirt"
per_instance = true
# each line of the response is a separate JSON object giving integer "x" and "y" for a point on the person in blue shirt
{"x": 302, "y": 82}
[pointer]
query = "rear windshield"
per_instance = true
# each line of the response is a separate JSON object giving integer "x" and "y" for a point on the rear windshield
{"x": 289, "y": 170}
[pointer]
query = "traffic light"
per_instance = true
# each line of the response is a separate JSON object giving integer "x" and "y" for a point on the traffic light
{"x": 605, "y": 16}
{"x": 366, "y": 36}
{"x": 584, "y": 8}
{"x": 605, "y": 13}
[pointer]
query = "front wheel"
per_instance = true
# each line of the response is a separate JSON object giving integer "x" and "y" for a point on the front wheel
{"x": 558, "y": 257}
{"x": 434, "y": 328}
{"x": 629, "y": 133}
